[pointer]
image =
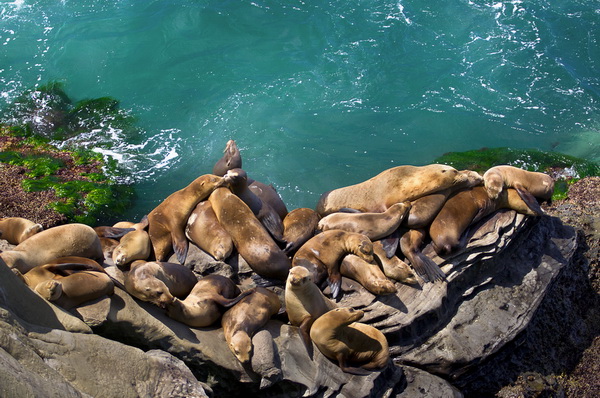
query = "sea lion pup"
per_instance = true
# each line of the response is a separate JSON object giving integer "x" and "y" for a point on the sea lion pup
{"x": 304, "y": 301}
{"x": 16, "y": 229}
{"x": 339, "y": 337}
{"x": 166, "y": 223}
{"x": 530, "y": 185}
{"x": 410, "y": 245}
{"x": 69, "y": 281}
{"x": 244, "y": 319}
{"x": 299, "y": 226}
{"x": 231, "y": 159}
{"x": 323, "y": 253}
{"x": 203, "y": 306}
{"x": 393, "y": 267}
{"x": 159, "y": 282}
{"x": 204, "y": 230}
{"x": 367, "y": 274}
{"x": 373, "y": 225}
{"x": 396, "y": 185}
{"x": 465, "y": 208}
{"x": 63, "y": 240}
{"x": 134, "y": 245}
{"x": 250, "y": 238}
{"x": 237, "y": 179}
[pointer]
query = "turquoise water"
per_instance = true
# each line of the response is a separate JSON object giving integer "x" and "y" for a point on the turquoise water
{"x": 317, "y": 94}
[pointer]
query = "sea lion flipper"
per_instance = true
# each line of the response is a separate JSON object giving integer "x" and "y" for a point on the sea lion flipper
{"x": 529, "y": 199}
{"x": 180, "y": 247}
{"x": 66, "y": 269}
{"x": 335, "y": 283}
{"x": 115, "y": 232}
{"x": 348, "y": 210}
{"x": 273, "y": 224}
{"x": 390, "y": 244}
{"x": 427, "y": 268}
{"x": 305, "y": 334}
{"x": 350, "y": 369}
{"x": 227, "y": 303}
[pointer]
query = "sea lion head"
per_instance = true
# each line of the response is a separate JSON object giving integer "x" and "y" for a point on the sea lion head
{"x": 237, "y": 179}
{"x": 241, "y": 346}
{"x": 299, "y": 276}
{"x": 153, "y": 291}
{"x": 347, "y": 315}
{"x": 231, "y": 159}
{"x": 364, "y": 247}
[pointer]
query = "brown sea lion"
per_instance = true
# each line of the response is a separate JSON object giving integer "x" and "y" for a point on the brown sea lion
{"x": 323, "y": 253}
{"x": 250, "y": 238}
{"x": 424, "y": 209}
{"x": 393, "y": 267}
{"x": 530, "y": 185}
{"x": 299, "y": 226}
{"x": 168, "y": 220}
{"x": 465, "y": 208}
{"x": 231, "y": 159}
{"x": 396, "y": 185}
{"x": 68, "y": 282}
{"x": 135, "y": 245}
{"x": 63, "y": 240}
{"x": 203, "y": 306}
{"x": 411, "y": 243}
{"x": 373, "y": 225}
{"x": 159, "y": 282}
{"x": 112, "y": 232}
{"x": 16, "y": 229}
{"x": 367, "y": 274}
{"x": 241, "y": 321}
{"x": 203, "y": 228}
{"x": 237, "y": 180}
{"x": 339, "y": 336}
{"x": 304, "y": 301}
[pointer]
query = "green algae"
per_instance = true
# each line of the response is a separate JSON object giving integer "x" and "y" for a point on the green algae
{"x": 565, "y": 169}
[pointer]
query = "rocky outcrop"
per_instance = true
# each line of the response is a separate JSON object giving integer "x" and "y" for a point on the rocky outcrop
{"x": 437, "y": 332}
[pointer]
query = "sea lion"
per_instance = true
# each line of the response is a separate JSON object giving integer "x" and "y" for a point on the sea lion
{"x": 202, "y": 307}
{"x": 241, "y": 321}
{"x": 135, "y": 245}
{"x": 159, "y": 282}
{"x": 60, "y": 241}
{"x": 69, "y": 281}
{"x": 423, "y": 210}
{"x": 322, "y": 255}
{"x": 250, "y": 238}
{"x": 108, "y": 246}
{"x": 16, "y": 229}
{"x": 396, "y": 185}
{"x": 373, "y": 225}
{"x": 237, "y": 179}
{"x": 167, "y": 221}
{"x": 299, "y": 226}
{"x": 339, "y": 337}
{"x": 205, "y": 231}
{"x": 393, "y": 267}
{"x": 410, "y": 245}
{"x": 231, "y": 159}
{"x": 530, "y": 185}
{"x": 304, "y": 301}
{"x": 465, "y": 208}
{"x": 367, "y": 274}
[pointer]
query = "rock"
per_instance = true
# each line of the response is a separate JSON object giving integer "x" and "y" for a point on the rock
{"x": 422, "y": 384}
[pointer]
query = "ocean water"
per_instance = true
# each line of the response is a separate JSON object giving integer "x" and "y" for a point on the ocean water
{"x": 317, "y": 94}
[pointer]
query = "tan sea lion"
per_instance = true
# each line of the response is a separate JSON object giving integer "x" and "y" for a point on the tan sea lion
{"x": 135, "y": 245}
{"x": 396, "y": 185}
{"x": 367, "y": 274}
{"x": 231, "y": 159}
{"x": 393, "y": 267}
{"x": 530, "y": 185}
{"x": 242, "y": 320}
{"x": 250, "y": 238}
{"x": 299, "y": 226}
{"x": 203, "y": 306}
{"x": 424, "y": 209}
{"x": 323, "y": 253}
{"x": 339, "y": 336}
{"x": 159, "y": 282}
{"x": 373, "y": 225}
{"x": 16, "y": 229}
{"x": 168, "y": 220}
{"x": 203, "y": 228}
{"x": 304, "y": 301}
{"x": 69, "y": 281}
{"x": 411, "y": 243}
{"x": 237, "y": 180}
{"x": 465, "y": 208}
{"x": 63, "y": 240}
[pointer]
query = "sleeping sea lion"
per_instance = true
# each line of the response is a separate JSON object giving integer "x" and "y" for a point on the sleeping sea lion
{"x": 16, "y": 229}
{"x": 205, "y": 231}
{"x": 323, "y": 253}
{"x": 168, "y": 220}
{"x": 339, "y": 337}
{"x": 134, "y": 245}
{"x": 393, "y": 267}
{"x": 367, "y": 274}
{"x": 396, "y": 185}
{"x": 299, "y": 226}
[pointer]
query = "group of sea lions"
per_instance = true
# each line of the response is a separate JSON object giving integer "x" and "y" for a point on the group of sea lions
{"x": 372, "y": 232}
